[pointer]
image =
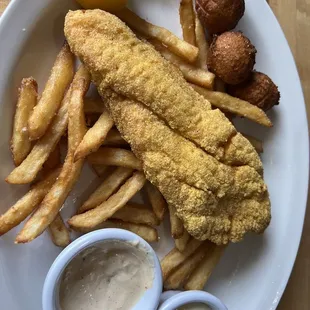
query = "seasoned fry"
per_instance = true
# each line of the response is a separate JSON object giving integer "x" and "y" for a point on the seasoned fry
{"x": 27, "y": 171}
{"x": 175, "y": 258}
{"x": 181, "y": 243}
{"x": 187, "y": 21}
{"x": 25, "y": 205}
{"x": 258, "y": 144}
{"x": 146, "y": 232}
{"x": 94, "y": 136}
{"x": 178, "y": 277}
{"x": 70, "y": 172}
{"x": 177, "y": 227}
{"x": 109, "y": 156}
{"x": 106, "y": 189}
{"x": 27, "y": 99}
{"x": 234, "y": 105}
{"x": 191, "y": 73}
{"x": 157, "y": 201}
{"x": 136, "y": 213}
{"x": 94, "y": 217}
{"x": 93, "y": 105}
{"x": 201, "y": 274}
{"x": 114, "y": 138}
{"x": 59, "y": 232}
{"x": 173, "y": 43}
{"x": 201, "y": 43}
{"x": 53, "y": 160}
{"x": 55, "y": 88}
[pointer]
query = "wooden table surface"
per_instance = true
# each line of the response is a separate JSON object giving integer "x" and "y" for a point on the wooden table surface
{"x": 294, "y": 17}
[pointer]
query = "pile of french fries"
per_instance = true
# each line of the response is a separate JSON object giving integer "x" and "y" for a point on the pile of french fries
{"x": 63, "y": 112}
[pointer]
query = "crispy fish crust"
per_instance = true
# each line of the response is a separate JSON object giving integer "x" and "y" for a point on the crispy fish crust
{"x": 202, "y": 166}
{"x": 130, "y": 67}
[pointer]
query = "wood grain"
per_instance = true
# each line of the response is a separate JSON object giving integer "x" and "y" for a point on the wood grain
{"x": 294, "y": 17}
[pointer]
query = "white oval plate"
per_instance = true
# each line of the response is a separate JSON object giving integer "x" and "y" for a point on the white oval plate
{"x": 252, "y": 274}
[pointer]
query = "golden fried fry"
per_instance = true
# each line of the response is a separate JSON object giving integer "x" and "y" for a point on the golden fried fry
{"x": 187, "y": 21}
{"x": 146, "y": 232}
{"x": 114, "y": 138}
{"x": 136, "y": 213}
{"x": 25, "y": 205}
{"x": 202, "y": 44}
{"x": 173, "y": 43}
{"x": 27, "y": 171}
{"x": 258, "y": 144}
{"x": 234, "y": 105}
{"x": 181, "y": 243}
{"x": 55, "y": 88}
{"x": 94, "y": 217}
{"x": 109, "y": 156}
{"x": 157, "y": 201}
{"x": 178, "y": 277}
{"x": 27, "y": 99}
{"x": 59, "y": 232}
{"x": 94, "y": 136}
{"x": 175, "y": 258}
{"x": 201, "y": 274}
{"x": 93, "y": 105}
{"x": 70, "y": 172}
{"x": 109, "y": 186}
{"x": 191, "y": 73}
{"x": 177, "y": 227}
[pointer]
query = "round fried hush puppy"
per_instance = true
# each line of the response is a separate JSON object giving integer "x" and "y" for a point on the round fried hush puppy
{"x": 259, "y": 90}
{"x": 220, "y": 15}
{"x": 231, "y": 57}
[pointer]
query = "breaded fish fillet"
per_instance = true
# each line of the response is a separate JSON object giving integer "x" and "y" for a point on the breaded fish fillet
{"x": 130, "y": 67}
{"x": 202, "y": 166}
{"x": 215, "y": 201}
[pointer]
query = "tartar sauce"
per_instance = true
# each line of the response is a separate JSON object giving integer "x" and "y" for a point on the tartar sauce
{"x": 110, "y": 275}
{"x": 195, "y": 306}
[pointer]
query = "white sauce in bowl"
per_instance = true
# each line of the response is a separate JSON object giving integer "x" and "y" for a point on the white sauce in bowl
{"x": 110, "y": 275}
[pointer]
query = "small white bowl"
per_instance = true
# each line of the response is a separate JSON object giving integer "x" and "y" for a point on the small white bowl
{"x": 150, "y": 299}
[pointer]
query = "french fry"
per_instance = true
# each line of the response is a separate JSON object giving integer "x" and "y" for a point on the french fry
{"x": 179, "y": 276}
{"x": 94, "y": 217}
{"x": 53, "y": 160}
{"x": 55, "y": 88}
{"x": 187, "y": 21}
{"x": 234, "y": 105}
{"x": 191, "y": 73}
{"x": 114, "y": 138}
{"x": 70, "y": 172}
{"x": 258, "y": 144}
{"x": 93, "y": 105}
{"x": 27, "y": 171}
{"x": 94, "y": 136}
{"x": 181, "y": 243}
{"x": 202, "y": 44}
{"x": 25, "y": 205}
{"x": 201, "y": 274}
{"x": 175, "y": 258}
{"x": 136, "y": 213}
{"x": 157, "y": 200}
{"x": 59, "y": 232}
{"x": 109, "y": 186}
{"x": 27, "y": 99}
{"x": 146, "y": 232}
{"x": 177, "y": 227}
{"x": 173, "y": 43}
{"x": 100, "y": 170}
{"x": 109, "y": 156}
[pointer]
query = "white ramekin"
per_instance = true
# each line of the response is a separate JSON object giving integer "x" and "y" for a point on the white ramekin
{"x": 152, "y": 298}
